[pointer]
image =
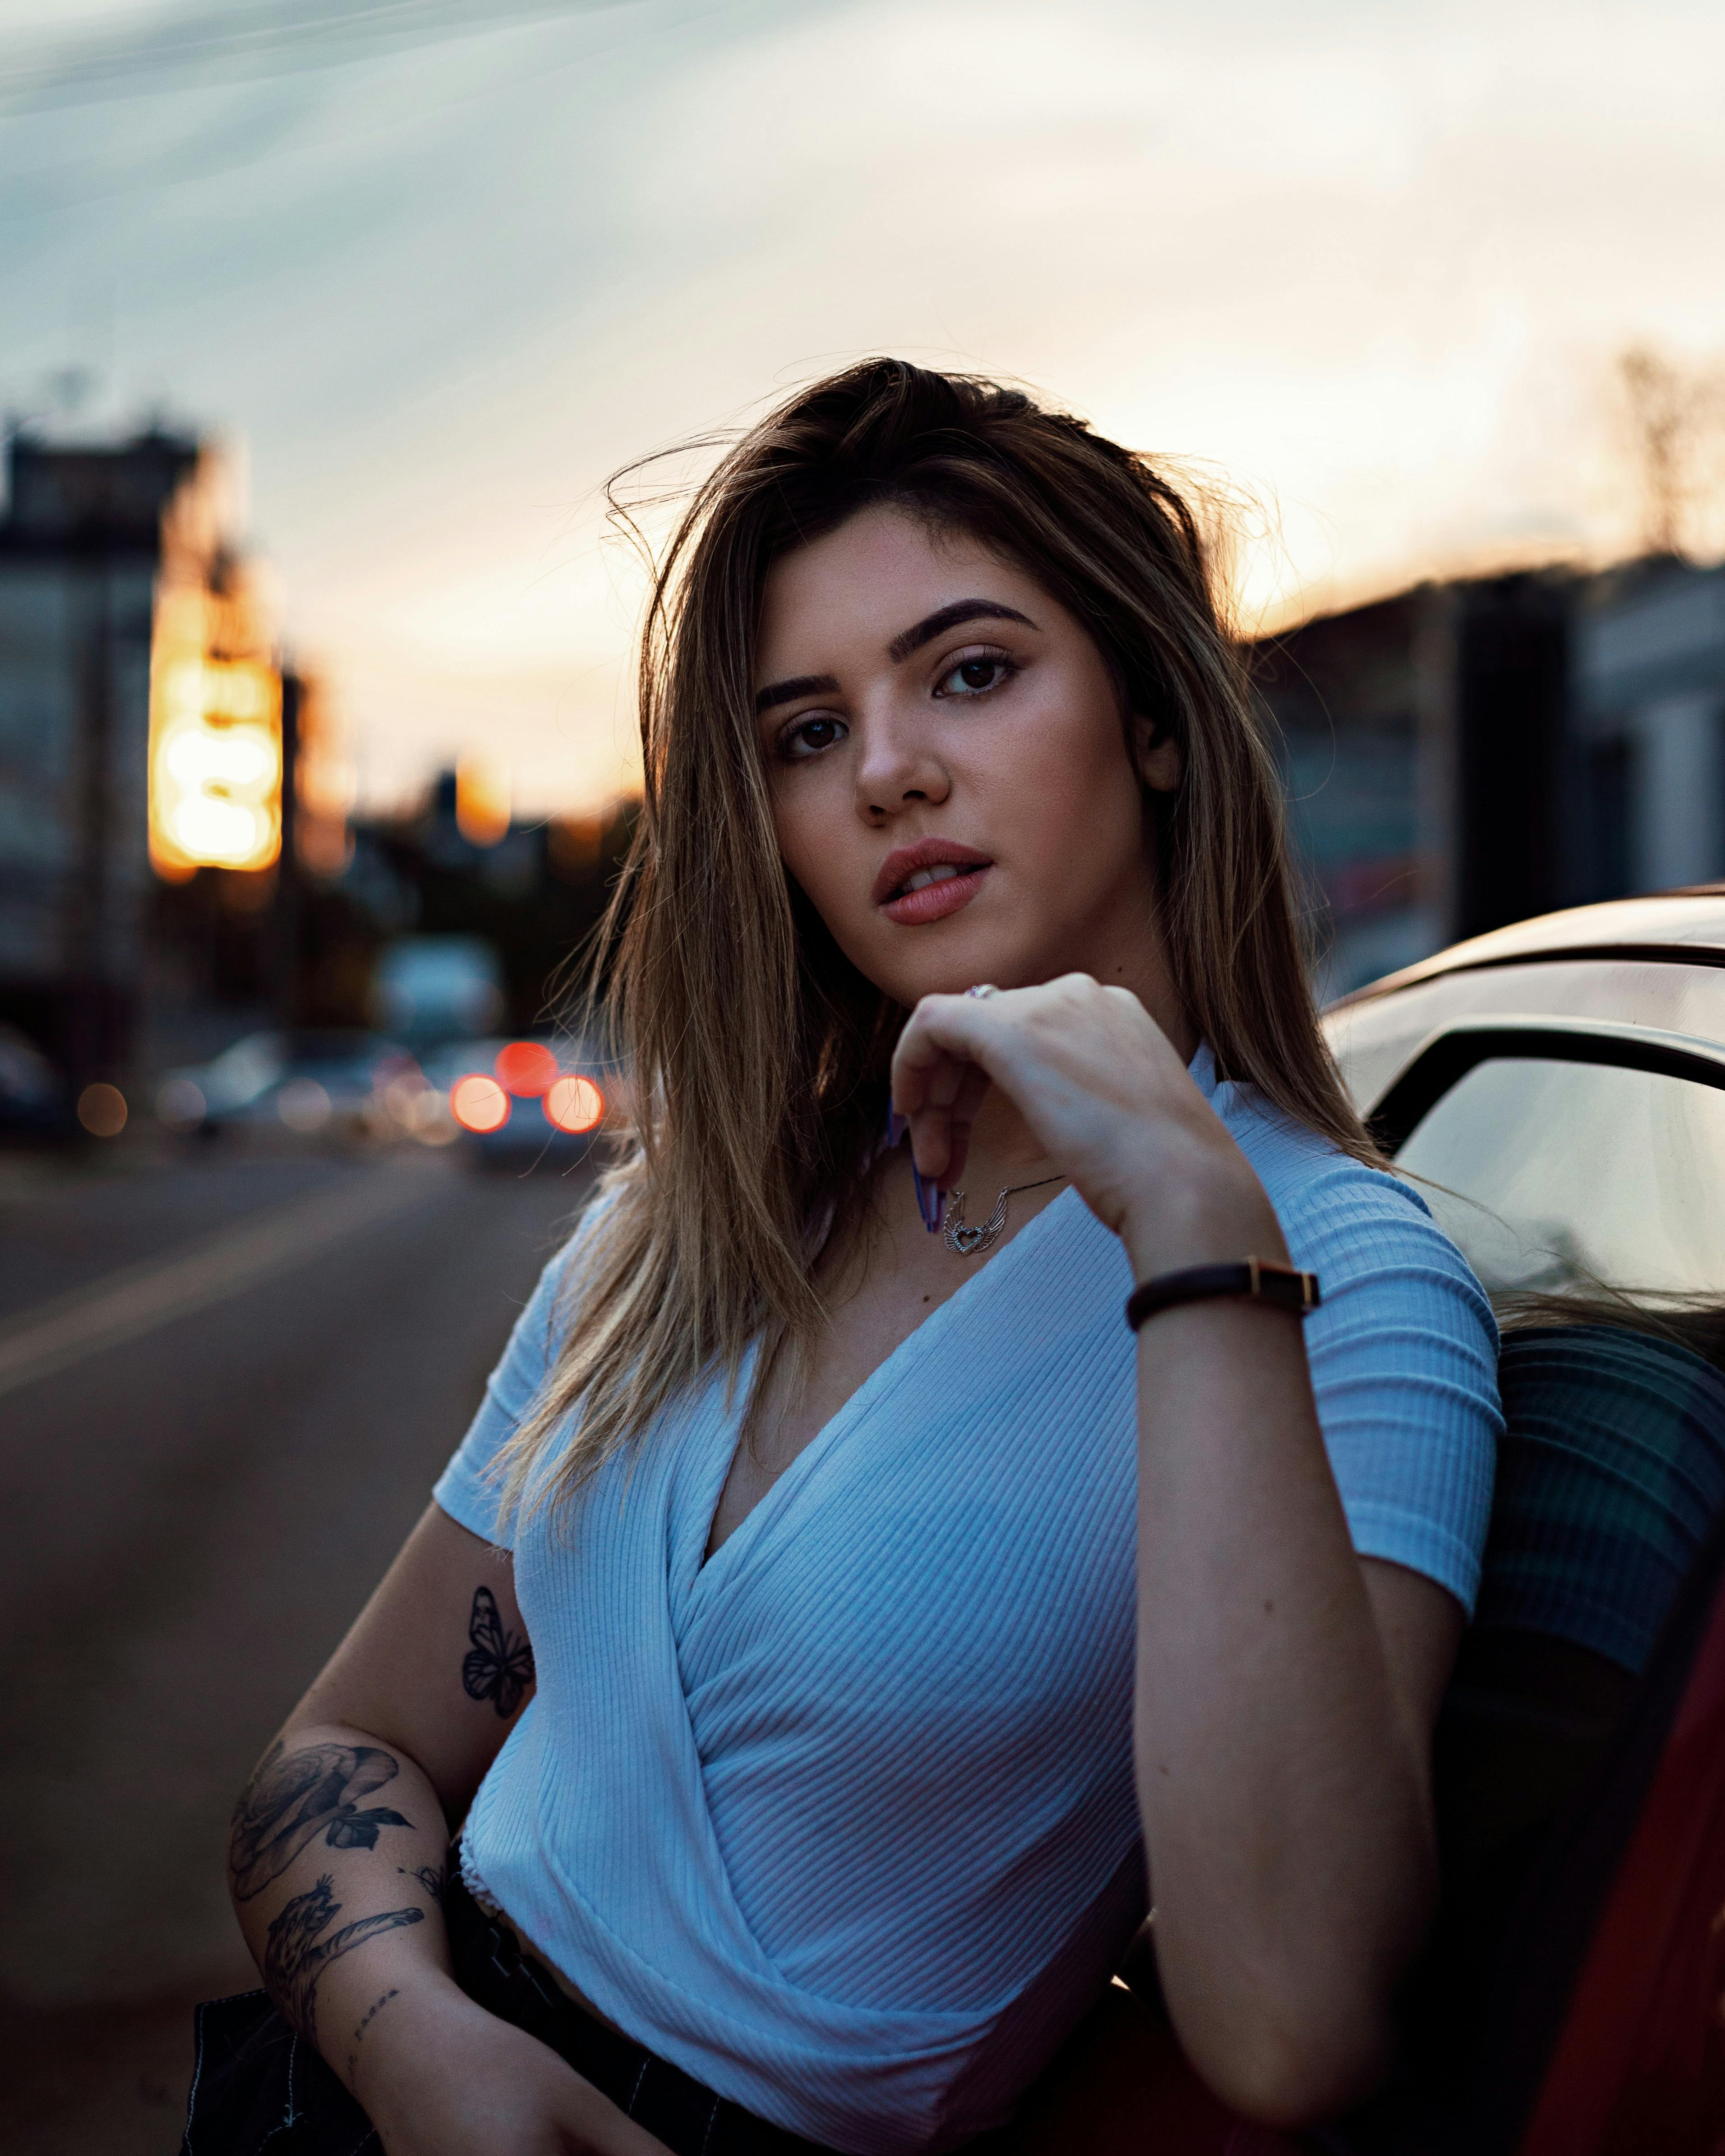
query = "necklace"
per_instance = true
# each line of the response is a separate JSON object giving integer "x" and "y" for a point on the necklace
{"x": 965, "y": 1242}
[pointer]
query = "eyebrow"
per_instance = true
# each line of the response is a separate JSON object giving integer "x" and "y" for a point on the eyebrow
{"x": 949, "y": 617}
{"x": 901, "y": 648}
{"x": 799, "y": 685}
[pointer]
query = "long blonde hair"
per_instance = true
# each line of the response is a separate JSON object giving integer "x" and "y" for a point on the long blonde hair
{"x": 759, "y": 1052}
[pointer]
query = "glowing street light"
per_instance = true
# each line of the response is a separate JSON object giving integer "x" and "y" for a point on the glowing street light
{"x": 215, "y": 743}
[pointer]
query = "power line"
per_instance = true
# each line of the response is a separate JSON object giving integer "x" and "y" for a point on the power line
{"x": 253, "y": 39}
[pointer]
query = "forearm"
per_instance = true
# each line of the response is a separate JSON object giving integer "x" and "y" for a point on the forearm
{"x": 337, "y": 1864}
{"x": 1281, "y": 1729}
{"x": 1284, "y": 1795}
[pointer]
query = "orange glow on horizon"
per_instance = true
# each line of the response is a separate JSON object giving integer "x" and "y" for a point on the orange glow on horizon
{"x": 482, "y": 805}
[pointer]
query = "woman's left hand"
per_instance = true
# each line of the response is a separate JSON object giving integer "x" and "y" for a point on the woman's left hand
{"x": 1106, "y": 1094}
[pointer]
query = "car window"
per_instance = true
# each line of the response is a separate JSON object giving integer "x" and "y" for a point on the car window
{"x": 1550, "y": 1172}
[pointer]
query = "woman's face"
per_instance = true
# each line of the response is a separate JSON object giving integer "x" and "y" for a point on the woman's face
{"x": 950, "y": 777}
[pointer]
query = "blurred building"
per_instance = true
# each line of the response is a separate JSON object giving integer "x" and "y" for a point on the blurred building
{"x": 531, "y": 892}
{"x": 156, "y": 758}
{"x": 81, "y": 546}
{"x": 1470, "y": 753}
{"x": 1649, "y": 722}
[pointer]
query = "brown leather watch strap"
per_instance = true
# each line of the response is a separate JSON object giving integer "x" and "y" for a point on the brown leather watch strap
{"x": 1258, "y": 1279}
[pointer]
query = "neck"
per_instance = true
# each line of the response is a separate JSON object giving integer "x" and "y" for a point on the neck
{"x": 1003, "y": 1150}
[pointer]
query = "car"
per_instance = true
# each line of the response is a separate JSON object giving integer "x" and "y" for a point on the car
{"x": 1555, "y": 1091}
{"x": 332, "y": 1081}
{"x": 429, "y": 989}
{"x": 530, "y": 1101}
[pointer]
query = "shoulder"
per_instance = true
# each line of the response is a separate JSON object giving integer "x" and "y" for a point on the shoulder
{"x": 1402, "y": 1349}
{"x": 544, "y": 1323}
{"x": 468, "y": 1488}
{"x": 1342, "y": 1218}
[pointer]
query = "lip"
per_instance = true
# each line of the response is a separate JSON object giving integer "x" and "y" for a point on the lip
{"x": 934, "y": 902}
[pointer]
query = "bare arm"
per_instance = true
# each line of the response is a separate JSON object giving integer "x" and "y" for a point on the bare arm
{"x": 336, "y": 1864}
{"x": 1286, "y": 1697}
{"x": 1286, "y": 1692}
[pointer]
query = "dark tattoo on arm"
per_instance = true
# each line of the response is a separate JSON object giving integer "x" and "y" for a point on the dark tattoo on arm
{"x": 290, "y": 1801}
{"x": 295, "y": 1954}
{"x": 432, "y": 1877}
{"x": 364, "y": 2023}
{"x": 500, "y": 1665}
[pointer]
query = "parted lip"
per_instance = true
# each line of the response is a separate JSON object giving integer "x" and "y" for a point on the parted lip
{"x": 903, "y": 862}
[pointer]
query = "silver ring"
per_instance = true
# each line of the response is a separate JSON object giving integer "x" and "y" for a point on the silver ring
{"x": 982, "y": 989}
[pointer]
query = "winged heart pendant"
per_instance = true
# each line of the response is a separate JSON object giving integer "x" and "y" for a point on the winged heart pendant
{"x": 967, "y": 1242}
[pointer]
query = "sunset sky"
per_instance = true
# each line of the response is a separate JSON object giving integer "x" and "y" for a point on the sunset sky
{"x": 1371, "y": 263}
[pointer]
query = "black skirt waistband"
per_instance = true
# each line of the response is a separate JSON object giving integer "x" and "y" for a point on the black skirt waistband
{"x": 256, "y": 2082}
{"x": 497, "y": 1973}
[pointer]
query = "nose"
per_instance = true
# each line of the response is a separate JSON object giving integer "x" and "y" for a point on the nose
{"x": 898, "y": 767}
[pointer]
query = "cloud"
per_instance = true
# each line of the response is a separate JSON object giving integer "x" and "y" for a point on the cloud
{"x": 1370, "y": 261}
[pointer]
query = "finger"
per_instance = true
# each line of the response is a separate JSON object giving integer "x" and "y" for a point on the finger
{"x": 960, "y": 1119}
{"x": 939, "y": 1084}
{"x": 940, "y": 1129}
{"x": 941, "y": 1029}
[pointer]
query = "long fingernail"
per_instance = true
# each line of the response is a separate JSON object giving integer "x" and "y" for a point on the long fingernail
{"x": 897, "y": 1126}
{"x": 931, "y": 1204}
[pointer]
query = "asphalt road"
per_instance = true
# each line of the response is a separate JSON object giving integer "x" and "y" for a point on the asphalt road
{"x": 226, "y": 1385}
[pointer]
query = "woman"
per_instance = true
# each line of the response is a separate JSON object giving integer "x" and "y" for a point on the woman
{"x": 889, "y": 1595}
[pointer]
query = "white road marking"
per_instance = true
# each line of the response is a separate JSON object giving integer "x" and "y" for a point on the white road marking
{"x": 138, "y": 1298}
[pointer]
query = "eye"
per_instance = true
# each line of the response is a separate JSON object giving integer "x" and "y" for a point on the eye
{"x": 809, "y": 737}
{"x": 976, "y": 675}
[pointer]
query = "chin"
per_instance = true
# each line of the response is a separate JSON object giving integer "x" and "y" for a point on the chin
{"x": 961, "y": 965}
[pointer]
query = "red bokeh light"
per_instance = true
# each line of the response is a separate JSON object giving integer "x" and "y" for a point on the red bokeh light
{"x": 574, "y": 1104}
{"x": 526, "y": 1068}
{"x": 479, "y": 1103}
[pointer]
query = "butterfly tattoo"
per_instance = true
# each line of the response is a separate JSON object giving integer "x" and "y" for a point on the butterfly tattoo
{"x": 498, "y": 1666}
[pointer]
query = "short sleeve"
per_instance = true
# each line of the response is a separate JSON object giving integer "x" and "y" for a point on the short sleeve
{"x": 1403, "y": 1359}
{"x": 465, "y": 1490}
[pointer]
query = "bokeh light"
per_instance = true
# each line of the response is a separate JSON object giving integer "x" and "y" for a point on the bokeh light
{"x": 215, "y": 730}
{"x": 403, "y": 1094}
{"x": 526, "y": 1068}
{"x": 433, "y": 1125}
{"x": 574, "y": 1104}
{"x": 303, "y": 1105}
{"x": 479, "y": 1103}
{"x": 482, "y": 800}
{"x": 180, "y": 1104}
{"x": 101, "y": 1109}
{"x": 221, "y": 832}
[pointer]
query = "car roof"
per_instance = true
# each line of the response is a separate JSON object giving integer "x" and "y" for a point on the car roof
{"x": 1655, "y": 962}
{"x": 1688, "y": 925}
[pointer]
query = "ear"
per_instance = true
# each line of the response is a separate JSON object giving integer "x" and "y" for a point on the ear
{"x": 1159, "y": 762}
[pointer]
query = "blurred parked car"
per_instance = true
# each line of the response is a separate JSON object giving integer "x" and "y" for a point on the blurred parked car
{"x": 1557, "y": 1089}
{"x": 337, "y": 1082}
{"x": 517, "y": 1103}
{"x": 429, "y": 989}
